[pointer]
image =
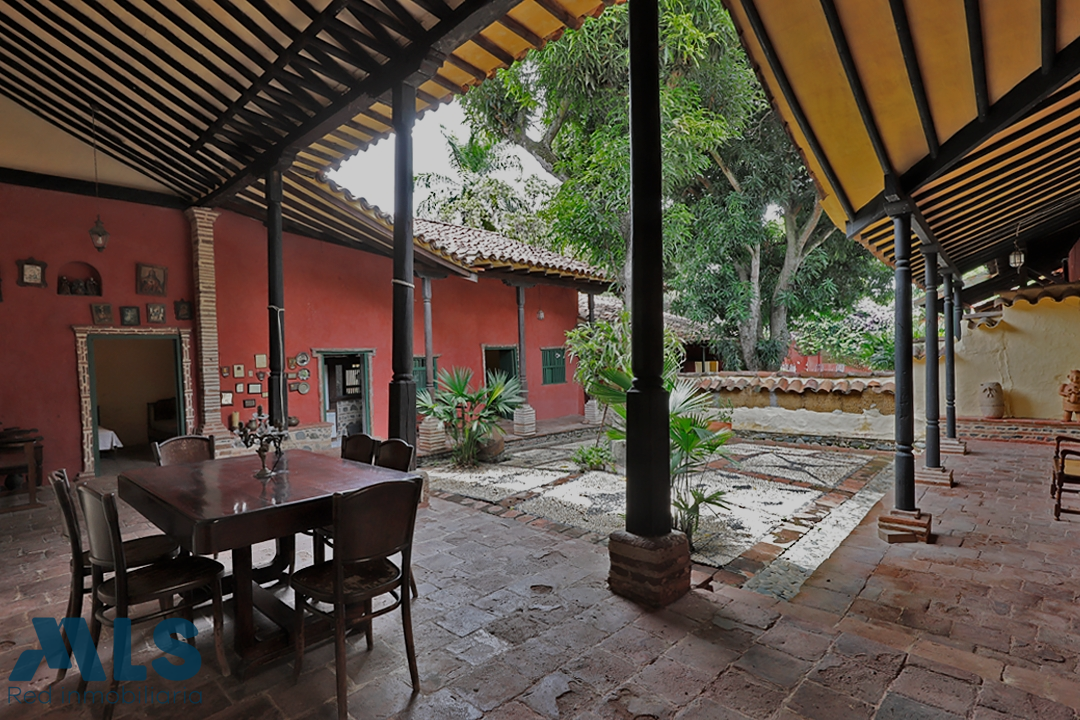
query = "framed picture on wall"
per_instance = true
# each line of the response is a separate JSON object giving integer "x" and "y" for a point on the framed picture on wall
{"x": 129, "y": 315}
{"x": 249, "y": 403}
{"x": 261, "y": 362}
{"x": 151, "y": 280}
{"x": 155, "y": 313}
{"x": 239, "y": 387}
{"x": 31, "y": 273}
{"x": 254, "y": 388}
{"x": 226, "y": 399}
{"x": 101, "y": 313}
{"x": 183, "y": 309}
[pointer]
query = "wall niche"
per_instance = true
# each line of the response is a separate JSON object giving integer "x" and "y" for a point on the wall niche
{"x": 78, "y": 278}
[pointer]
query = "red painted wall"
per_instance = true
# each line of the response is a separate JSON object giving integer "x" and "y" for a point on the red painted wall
{"x": 336, "y": 298}
{"x": 341, "y": 299}
{"x": 38, "y": 384}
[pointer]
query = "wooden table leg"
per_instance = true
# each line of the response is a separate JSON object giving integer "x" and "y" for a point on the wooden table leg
{"x": 242, "y": 600}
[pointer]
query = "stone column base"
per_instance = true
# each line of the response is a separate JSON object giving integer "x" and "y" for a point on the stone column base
{"x": 431, "y": 437}
{"x": 525, "y": 421}
{"x": 953, "y": 446}
{"x": 934, "y": 476}
{"x": 902, "y": 526}
{"x": 593, "y": 413}
{"x": 653, "y": 571}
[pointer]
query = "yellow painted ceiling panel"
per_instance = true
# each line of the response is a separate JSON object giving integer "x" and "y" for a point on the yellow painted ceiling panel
{"x": 870, "y": 33}
{"x": 939, "y": 30}
{"x": 804, "y": 46}
{"x": 830, "y": 202}
{"x": 1068, "y": 24}
{"x": 1011, "y": 41}
{"x": 507, "y": 40}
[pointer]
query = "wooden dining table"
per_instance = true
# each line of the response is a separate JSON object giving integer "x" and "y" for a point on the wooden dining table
{"x": 219, "y": 505}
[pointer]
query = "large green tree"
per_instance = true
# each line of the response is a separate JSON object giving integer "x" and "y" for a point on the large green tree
{"x": 728, "y": 166}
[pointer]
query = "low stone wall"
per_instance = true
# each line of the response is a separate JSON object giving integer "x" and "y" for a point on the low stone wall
{"x": 1017, "y": 429}
{"x": 315, "y": 437}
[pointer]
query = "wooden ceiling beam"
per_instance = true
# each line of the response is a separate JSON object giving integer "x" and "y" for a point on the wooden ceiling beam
{"x": 557, "y": 11}
{"x": 858, "y": 92}
{"x": 522, "y": 32}
{"x": 914, "y": 73}
{"x": 973, "y": 18}
{"x": 494, "y": 50}
{"x": 796, "y": 108}
{"x": 1002, "y": 247}
{"x": 465, "y": 21}
{"x": 1048, "y": 31}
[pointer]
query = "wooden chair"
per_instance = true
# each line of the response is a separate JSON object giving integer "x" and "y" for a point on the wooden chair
{"x": 359, "y": 447}
{"x": 183, "y": 449}
{"x": 370, "y": 525}
{"x": 138, "y": 552}
{"x": 396, "y": 454}
{"x": 1066, "y": 472}
{"x": 158, "y": 582}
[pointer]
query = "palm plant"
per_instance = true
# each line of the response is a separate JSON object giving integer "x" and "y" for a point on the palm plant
{"x": 692, "y": 442}
{"x": 470, "y": 416}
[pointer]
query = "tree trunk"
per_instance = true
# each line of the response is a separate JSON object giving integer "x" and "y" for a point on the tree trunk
{"x": 750, "y": 328}
{"x": 799, "y": 246}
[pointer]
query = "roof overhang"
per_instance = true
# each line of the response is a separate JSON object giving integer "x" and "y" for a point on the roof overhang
{"x": 971, "y": 109}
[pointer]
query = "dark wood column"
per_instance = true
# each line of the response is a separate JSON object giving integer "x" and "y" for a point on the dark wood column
{"x": 905, "y": 421}
{"x": 523, "y": 377}
{"x": 950, "y": 358}
{"x": 429, "y": 352}
{"x": 648, "y": 486}
{"x": 933, "y": 407}
{"x": 402, "y": 386}
{"x": 650, "y": 563}
{"x": 279, "y": 409}
{"x": 592, "y": 308}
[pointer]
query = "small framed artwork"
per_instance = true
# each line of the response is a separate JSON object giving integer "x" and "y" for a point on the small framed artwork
{"x": 155, "y": 313}
{"x": 293, "y": 387}
{"x": 226, "y": 399}
{"x": 129, "y": 315}
{"x": 261, "y": 362}
{"x": 31, "y": 273}
{"x": 151, "y": 280}
{"x": 254, "y": 388}
{"x": 291, "y": 376}
{"x": 239, "y": 388}
{"x": 226, "y": 370}
{"x": 292, "y": 363}
{"x": 183, "y": 309}
{"x": 238, "y": 371}
{"x": 261, "y": 375}
{"x": 101, "y": 313}
{"x": 249, "y": 402}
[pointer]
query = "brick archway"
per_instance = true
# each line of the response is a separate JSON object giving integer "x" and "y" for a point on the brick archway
{"x": 82, "y": 359}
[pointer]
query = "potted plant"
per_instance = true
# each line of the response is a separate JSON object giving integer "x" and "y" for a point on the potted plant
{"x": 470, "y": 416}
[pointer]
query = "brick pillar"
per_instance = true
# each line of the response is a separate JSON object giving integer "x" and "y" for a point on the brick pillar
{"x": 206, "y": 325}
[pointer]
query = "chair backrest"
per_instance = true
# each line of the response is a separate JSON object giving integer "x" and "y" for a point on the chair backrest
{"x": 103, "y": 531}
{"x": 183, "y": 449}
{"x": 375, "y": 522}
{"x": 395, "y": 454}
{"x": 359, "y": 447}
{"x": 69, "y": 526}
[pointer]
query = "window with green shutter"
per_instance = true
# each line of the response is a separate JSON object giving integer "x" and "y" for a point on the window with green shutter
{"x": 419, "y": 371}
{"x": 553, "y": 360}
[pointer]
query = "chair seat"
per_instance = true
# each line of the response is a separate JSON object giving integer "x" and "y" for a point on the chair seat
{"x": 361, "y": 580}
{"x": 164, "y": 579}
{"x": 1072, "y": 467}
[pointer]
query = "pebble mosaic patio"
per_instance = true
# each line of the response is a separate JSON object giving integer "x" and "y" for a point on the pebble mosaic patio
{"x": 789, "y": 507}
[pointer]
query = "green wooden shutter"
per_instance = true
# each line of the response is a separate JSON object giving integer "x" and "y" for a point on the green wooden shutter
{"x": 553, "y": 361}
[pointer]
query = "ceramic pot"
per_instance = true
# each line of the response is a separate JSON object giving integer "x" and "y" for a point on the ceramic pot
{"x": 992, "y": 400}
{"x": 491, "y": 448}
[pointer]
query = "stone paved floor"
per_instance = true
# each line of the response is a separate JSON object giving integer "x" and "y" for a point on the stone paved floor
{"x": 515, "y": 621}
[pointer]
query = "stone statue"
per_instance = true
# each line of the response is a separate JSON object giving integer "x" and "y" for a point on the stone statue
{"x": 1070, "y": 395}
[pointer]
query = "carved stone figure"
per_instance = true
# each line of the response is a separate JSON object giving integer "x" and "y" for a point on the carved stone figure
{"x": 1070, "y": 395}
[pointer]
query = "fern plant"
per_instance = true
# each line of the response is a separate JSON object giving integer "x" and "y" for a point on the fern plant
{"x": 470, "y": 416}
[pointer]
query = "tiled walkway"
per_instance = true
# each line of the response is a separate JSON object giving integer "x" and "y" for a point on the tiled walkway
{"x": 515, "y": 621}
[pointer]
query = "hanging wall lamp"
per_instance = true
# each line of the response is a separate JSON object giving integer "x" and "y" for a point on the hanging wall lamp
{"x": 98, "y": 234}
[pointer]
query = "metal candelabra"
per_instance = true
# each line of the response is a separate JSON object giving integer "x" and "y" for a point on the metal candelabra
{"x": 258, "y": 430}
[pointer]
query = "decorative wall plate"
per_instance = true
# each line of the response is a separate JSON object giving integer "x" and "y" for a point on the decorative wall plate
{"x": 304, "y": 388}
{"x": 302, "y": 359}
{"x": 303, "y": 373}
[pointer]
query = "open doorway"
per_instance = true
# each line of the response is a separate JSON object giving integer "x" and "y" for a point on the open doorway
{"x": 346, "y": 392}
{"x": 500, "y": 358}
{"x": 136, "y": 398}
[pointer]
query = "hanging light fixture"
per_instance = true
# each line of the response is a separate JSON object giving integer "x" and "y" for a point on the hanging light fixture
{"x": 1016, "y": 257}
{"x": 98, "y": 234}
